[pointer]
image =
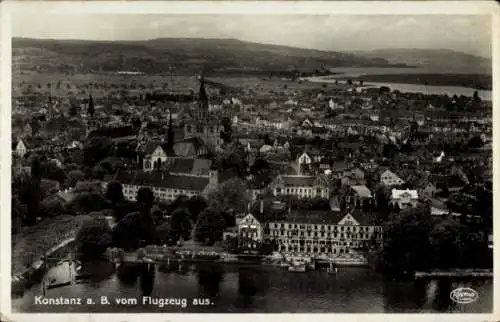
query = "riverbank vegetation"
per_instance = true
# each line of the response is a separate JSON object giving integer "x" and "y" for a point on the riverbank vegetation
{"x": 29, "y": 244}
{"x": 93, "y": 238}
{"x": 416, "y": 241}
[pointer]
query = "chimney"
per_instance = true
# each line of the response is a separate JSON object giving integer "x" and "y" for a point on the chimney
{"x": 261, "y": 206}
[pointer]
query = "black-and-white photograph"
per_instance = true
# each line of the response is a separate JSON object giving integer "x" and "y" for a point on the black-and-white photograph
{"x": 251, "y": 163}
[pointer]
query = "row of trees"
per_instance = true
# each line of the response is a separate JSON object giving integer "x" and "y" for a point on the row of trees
{"x": 146, "y": 222}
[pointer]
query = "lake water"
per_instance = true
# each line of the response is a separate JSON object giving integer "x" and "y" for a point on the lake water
{"x": 256, "y": 288}
{"x": 412, "y": 88}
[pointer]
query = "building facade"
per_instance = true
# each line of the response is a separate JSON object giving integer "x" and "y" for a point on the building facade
{"x": 389, "y": 179}
{"x": 323, "y": 233}
{"x": 301, "y": 186}
{"x": 167, "y": 186}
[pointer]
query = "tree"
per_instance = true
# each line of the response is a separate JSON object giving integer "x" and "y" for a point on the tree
{"x": 35, "y": 126}
{"x": 91, "y": 108}
{"x": 73, "y": 177}
{"x": 114, "y": 192}
{"x": 180, "y": 224}
{"x": 406, "y": 245}
{"x": 267, "y": 139}
{"x": 49, "y": 170}
{"x": 93, "y": 238}
{"x": 232, "y": 159}
{"x": 210, "y": 226}
{"x": 229, "y": 197}
{"x": 145, "y": 199}
{"x": 227, "y": 131}
{"x": 88, "y": 201}
{"x": 96, "y": 149}
{"x": 125, "y": 233}
{"x": 136, "y": 122}
{"x": 259, "y": 166}
{"x": 443, "y": 241}
{"x": 163, "y": 234}
{"x": 476, "y": 142}
{"x": 196, "y": 205}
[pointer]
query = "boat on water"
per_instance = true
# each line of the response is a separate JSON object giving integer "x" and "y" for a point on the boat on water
{"x": 297, "y": 267}
{"x": 332, "y": 269}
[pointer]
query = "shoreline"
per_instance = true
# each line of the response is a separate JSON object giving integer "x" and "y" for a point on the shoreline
{"x": 30, "y": 276}
{"x": 396, "y": 79}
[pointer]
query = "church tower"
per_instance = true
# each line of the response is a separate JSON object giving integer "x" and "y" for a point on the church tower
{"x": 202, "y": 99}
{"x": 170, "y": 135}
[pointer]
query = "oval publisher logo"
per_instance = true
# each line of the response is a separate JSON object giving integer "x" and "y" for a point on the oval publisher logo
{"x": 464, "y": 295}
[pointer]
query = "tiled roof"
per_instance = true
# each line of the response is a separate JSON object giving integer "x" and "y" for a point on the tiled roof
{"x": 362, "y": 191}
{"x": 163, "y": 180}
{"x": 298, "y": 180}
{"x": 151, "y": 146}
{"x": 190, "y": 166}
{"x": 114, "y": 132}
{"x": 201, "y": 166}
{"x": 184, "y": 149}
{"x": 340, "y": 166}
{"x": 327, "y": 217}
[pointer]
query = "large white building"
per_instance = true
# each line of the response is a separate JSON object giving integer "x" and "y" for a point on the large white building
{"x": 313, "y": 233}
{"x": 301, "y": 186}
{"x": 166, "y": 186}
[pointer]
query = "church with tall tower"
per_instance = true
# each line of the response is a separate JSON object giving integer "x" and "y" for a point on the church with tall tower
{"x": 204, "y": 125}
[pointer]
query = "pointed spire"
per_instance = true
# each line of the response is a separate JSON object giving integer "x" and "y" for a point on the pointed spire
{"x": 91, "y": 109}
{"x": 170, "y": 133}
{"x": 203, "y": 98}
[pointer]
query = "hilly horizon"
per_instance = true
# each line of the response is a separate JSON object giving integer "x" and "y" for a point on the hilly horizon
{"x": 184, "y": 55}
{"x": 440, "y": 59}
{"x": 222, "y": 55}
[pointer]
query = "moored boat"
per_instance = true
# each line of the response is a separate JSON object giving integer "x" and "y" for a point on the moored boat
{"x": 297, "y": 268}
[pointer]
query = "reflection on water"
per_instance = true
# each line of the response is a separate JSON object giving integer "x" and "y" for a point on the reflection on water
{"x": 147, "y": 278}
{"x": 209, "y": 279}
{"x": 254, "y": 288}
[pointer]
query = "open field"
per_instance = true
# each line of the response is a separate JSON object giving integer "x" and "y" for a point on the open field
{"x": 100, "y": 84}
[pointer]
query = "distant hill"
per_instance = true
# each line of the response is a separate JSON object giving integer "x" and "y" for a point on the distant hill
{"x": 179, "y": 55}
{"x": 440, "y": 59}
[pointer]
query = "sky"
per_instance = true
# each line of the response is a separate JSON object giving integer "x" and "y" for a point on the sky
{"x": 465, "y": 33}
